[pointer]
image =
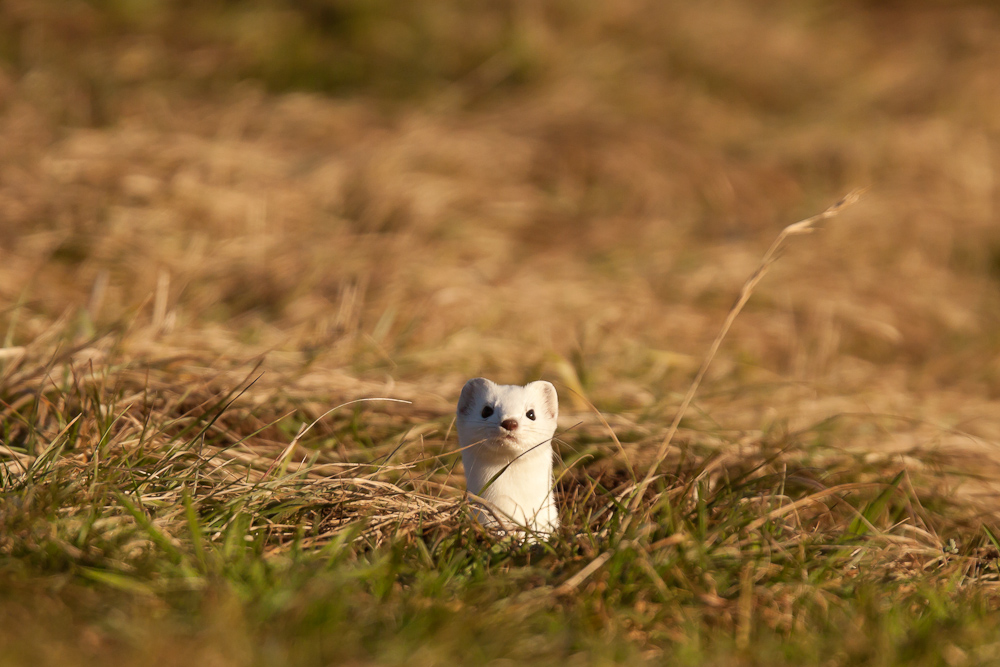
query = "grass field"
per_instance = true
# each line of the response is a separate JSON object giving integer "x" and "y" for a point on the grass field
{"x": 250, "y": 252}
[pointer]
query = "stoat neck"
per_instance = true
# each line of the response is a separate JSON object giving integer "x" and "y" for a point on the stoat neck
{"x": 521, "y": 490}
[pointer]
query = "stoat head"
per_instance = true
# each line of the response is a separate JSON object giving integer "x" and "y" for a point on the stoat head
{"x": 507, "y": 417}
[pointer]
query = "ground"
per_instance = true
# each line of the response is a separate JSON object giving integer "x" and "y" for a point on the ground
{"x": 250, "y": 253}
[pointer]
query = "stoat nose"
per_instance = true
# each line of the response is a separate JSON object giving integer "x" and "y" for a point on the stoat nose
{"x": 509, "y": 424}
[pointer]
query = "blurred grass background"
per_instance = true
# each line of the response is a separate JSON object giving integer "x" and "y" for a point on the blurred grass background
{"x": 269, "y": 160}
{"x": 385, "y": 198}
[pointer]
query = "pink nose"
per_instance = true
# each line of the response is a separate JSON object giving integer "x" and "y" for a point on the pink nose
{"x": 509, "y": 424}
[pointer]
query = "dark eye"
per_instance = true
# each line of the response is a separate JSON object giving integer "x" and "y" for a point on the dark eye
{"x": 531, "y": 415}
{"x": 487, "y": 411}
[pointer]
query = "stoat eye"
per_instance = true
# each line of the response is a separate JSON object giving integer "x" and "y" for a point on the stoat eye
{"x": 487, "y": 411}
{"x": 531, "y": 415}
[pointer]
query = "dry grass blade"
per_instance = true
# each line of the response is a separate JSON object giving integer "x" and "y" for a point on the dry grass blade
{"x": 305, "y": 428}
{"x": 604, "y": 422}
{"x": 801, "y": 227}
{"x": 808, "y": 500}
{"x": 574, "y": 582}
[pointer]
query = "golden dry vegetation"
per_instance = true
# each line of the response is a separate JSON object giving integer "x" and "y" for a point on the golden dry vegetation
{"x": 299, "y": 205}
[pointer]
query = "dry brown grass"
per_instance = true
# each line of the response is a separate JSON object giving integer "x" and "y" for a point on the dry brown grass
{"x": 422, "y": 245}
{"x": 579, "y": 199}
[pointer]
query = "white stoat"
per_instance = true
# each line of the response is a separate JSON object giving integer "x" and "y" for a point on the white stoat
{"x": 505, "y": 432}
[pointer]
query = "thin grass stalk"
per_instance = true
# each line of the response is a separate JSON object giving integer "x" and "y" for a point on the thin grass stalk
{"x": 805, "y": 226}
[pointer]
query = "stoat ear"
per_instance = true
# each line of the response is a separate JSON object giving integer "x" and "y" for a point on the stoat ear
{"x": 549, "y": 401}
{"x": 473, "y": 390}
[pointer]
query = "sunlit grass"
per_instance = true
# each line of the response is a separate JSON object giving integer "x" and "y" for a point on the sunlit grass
{"x": 224, "y": 226}
{"x": 175, "y": 508}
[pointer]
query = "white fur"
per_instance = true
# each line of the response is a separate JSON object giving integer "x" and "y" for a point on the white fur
{"x": 519, "y": 458}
